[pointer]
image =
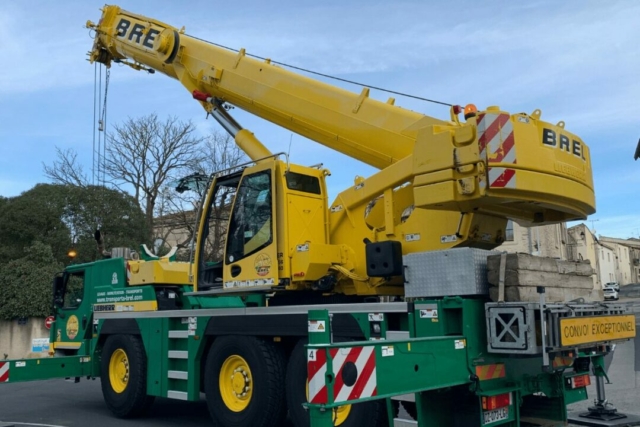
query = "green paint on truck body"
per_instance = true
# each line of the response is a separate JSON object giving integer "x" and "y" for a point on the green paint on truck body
{"x": 433, "y": 349}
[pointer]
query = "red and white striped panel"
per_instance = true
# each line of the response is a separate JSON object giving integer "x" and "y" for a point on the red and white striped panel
{"x": 497, "y": 145}
{"x": 316, "y": 370}
{"x": 366, "y": 382}
{"x": 4, "y": 372}
{"x": 502, "y": 178}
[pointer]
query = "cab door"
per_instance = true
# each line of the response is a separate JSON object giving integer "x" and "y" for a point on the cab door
{"x": 73, "y": 316}
{"x": 251, "y": 251}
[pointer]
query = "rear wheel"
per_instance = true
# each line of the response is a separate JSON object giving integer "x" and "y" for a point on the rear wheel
{"x": 367, "y": 414}
{"x": 124, "y": 376}
{"x": 244, "y": 382}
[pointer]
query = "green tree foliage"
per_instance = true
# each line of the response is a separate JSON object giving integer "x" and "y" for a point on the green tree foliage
{"x": 117, "y": 214}
{"x": 26, "y": 283}
{"x": 35, "y": 215}
{"x": 65, "y": 217}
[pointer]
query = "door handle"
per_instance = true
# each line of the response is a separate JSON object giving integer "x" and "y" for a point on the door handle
{"x": 235, "y": 270}
{"x": 84, "y": 322}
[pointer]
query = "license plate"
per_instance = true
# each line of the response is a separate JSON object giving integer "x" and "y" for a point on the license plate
{"x": 496, "y": 415}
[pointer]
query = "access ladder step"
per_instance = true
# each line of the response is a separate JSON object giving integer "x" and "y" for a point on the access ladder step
{"x": 178, "y": 375}
{"x": 178, "y": 354}
{"x": 178, "y": 334}
{"x": 180, "y": 395}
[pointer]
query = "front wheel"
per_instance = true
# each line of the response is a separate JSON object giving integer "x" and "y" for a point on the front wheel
{"x": 244, "y": 382}
{"x": 124, "y": 376}
{"x": 366, "y": 414}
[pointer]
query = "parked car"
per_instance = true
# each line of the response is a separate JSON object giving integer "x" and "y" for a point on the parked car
{"x": 610, "y": 293}
{"x": 614, "y": 285}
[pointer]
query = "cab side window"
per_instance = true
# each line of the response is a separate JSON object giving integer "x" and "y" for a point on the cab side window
{"x": 74, "y": 290}
{"x": 251, "y": 227}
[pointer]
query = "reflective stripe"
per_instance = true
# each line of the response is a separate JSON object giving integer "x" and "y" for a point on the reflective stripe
{"x": 365, "y": 384}
{"x": 490, "y": 372}
{"x": 496, "y": 142}
{"x": 4, "y": 372}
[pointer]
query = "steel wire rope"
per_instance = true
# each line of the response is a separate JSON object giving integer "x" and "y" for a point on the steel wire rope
{"x": 93, "y": 158}
{"x": 329, "y": 76}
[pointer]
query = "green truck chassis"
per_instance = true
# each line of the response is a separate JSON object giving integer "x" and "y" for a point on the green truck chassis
{"x": 451, "y": 361}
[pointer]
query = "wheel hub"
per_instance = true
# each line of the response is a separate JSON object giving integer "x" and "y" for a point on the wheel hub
{"x": 240, "y": 382}
{"x": 235, "y": 383}
{"x": 122, "y": 371}
{"x": 119, "y": 370}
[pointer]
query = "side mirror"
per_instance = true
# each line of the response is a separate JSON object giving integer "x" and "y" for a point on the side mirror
{"x": 637, "y": 155}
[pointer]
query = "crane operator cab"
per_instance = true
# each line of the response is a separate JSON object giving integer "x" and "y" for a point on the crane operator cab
{"x": 254, "y": 221}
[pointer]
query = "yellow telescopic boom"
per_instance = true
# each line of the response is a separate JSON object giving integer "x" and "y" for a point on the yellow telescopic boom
{"x": 374, "y": 132}
{"x": 495, "y": 163}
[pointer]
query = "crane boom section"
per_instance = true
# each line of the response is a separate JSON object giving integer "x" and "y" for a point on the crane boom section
{"x": 495, "y": 163}
{"x": 371, "y": 131}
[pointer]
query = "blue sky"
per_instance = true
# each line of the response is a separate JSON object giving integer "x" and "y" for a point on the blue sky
{"x": 576, "y": 61}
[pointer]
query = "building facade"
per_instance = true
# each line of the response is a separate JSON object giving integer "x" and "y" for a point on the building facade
{"x": 582, "y": 245}
{"x": 627, "y": 252}
{"x": 607, "y": 265}
{"x": 544, "y": 240}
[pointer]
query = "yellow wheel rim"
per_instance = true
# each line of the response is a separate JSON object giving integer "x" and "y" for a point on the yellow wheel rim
{"x": 340, "y": 414}
{"x": 119, "y": 370}
{"x": 236, "y": 383}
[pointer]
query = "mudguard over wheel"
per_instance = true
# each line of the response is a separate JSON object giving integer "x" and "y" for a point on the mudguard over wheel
{"x": 124, "y": 376}
{"x": 244, "y": 382}
{"x": 366, "y": 414}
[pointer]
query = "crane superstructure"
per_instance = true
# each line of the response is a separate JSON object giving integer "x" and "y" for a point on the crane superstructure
{"x": 441, "y": 184}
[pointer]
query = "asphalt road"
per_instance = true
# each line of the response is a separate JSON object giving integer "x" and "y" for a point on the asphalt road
{"x": 58, "y": 403}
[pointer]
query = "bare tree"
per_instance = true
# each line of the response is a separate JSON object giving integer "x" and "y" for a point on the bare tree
{"x": 221, "y": 152}
{"x": 145, "y": 154}
{"x": 66, "y": 169}
{"x": 177, "y": 223}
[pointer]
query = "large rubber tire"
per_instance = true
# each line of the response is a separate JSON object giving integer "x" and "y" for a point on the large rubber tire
{"x": 263, "y": 363}
{"x": 367, "y": 414}
{"x": 124, "y": 376}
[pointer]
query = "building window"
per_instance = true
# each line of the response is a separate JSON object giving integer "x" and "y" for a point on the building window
{"x": 508, "y": 231}
{"x": 609, "y": 257}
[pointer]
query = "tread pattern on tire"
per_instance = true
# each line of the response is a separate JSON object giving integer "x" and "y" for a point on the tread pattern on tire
{"x": 134, "y": 401}
{"x": 273, "y": 411}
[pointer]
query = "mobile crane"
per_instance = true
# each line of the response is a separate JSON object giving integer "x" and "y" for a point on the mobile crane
{"x": 308, "y": 313}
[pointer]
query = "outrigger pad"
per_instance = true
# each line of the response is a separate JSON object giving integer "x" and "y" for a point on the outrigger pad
{"x": 620, "y": 420}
